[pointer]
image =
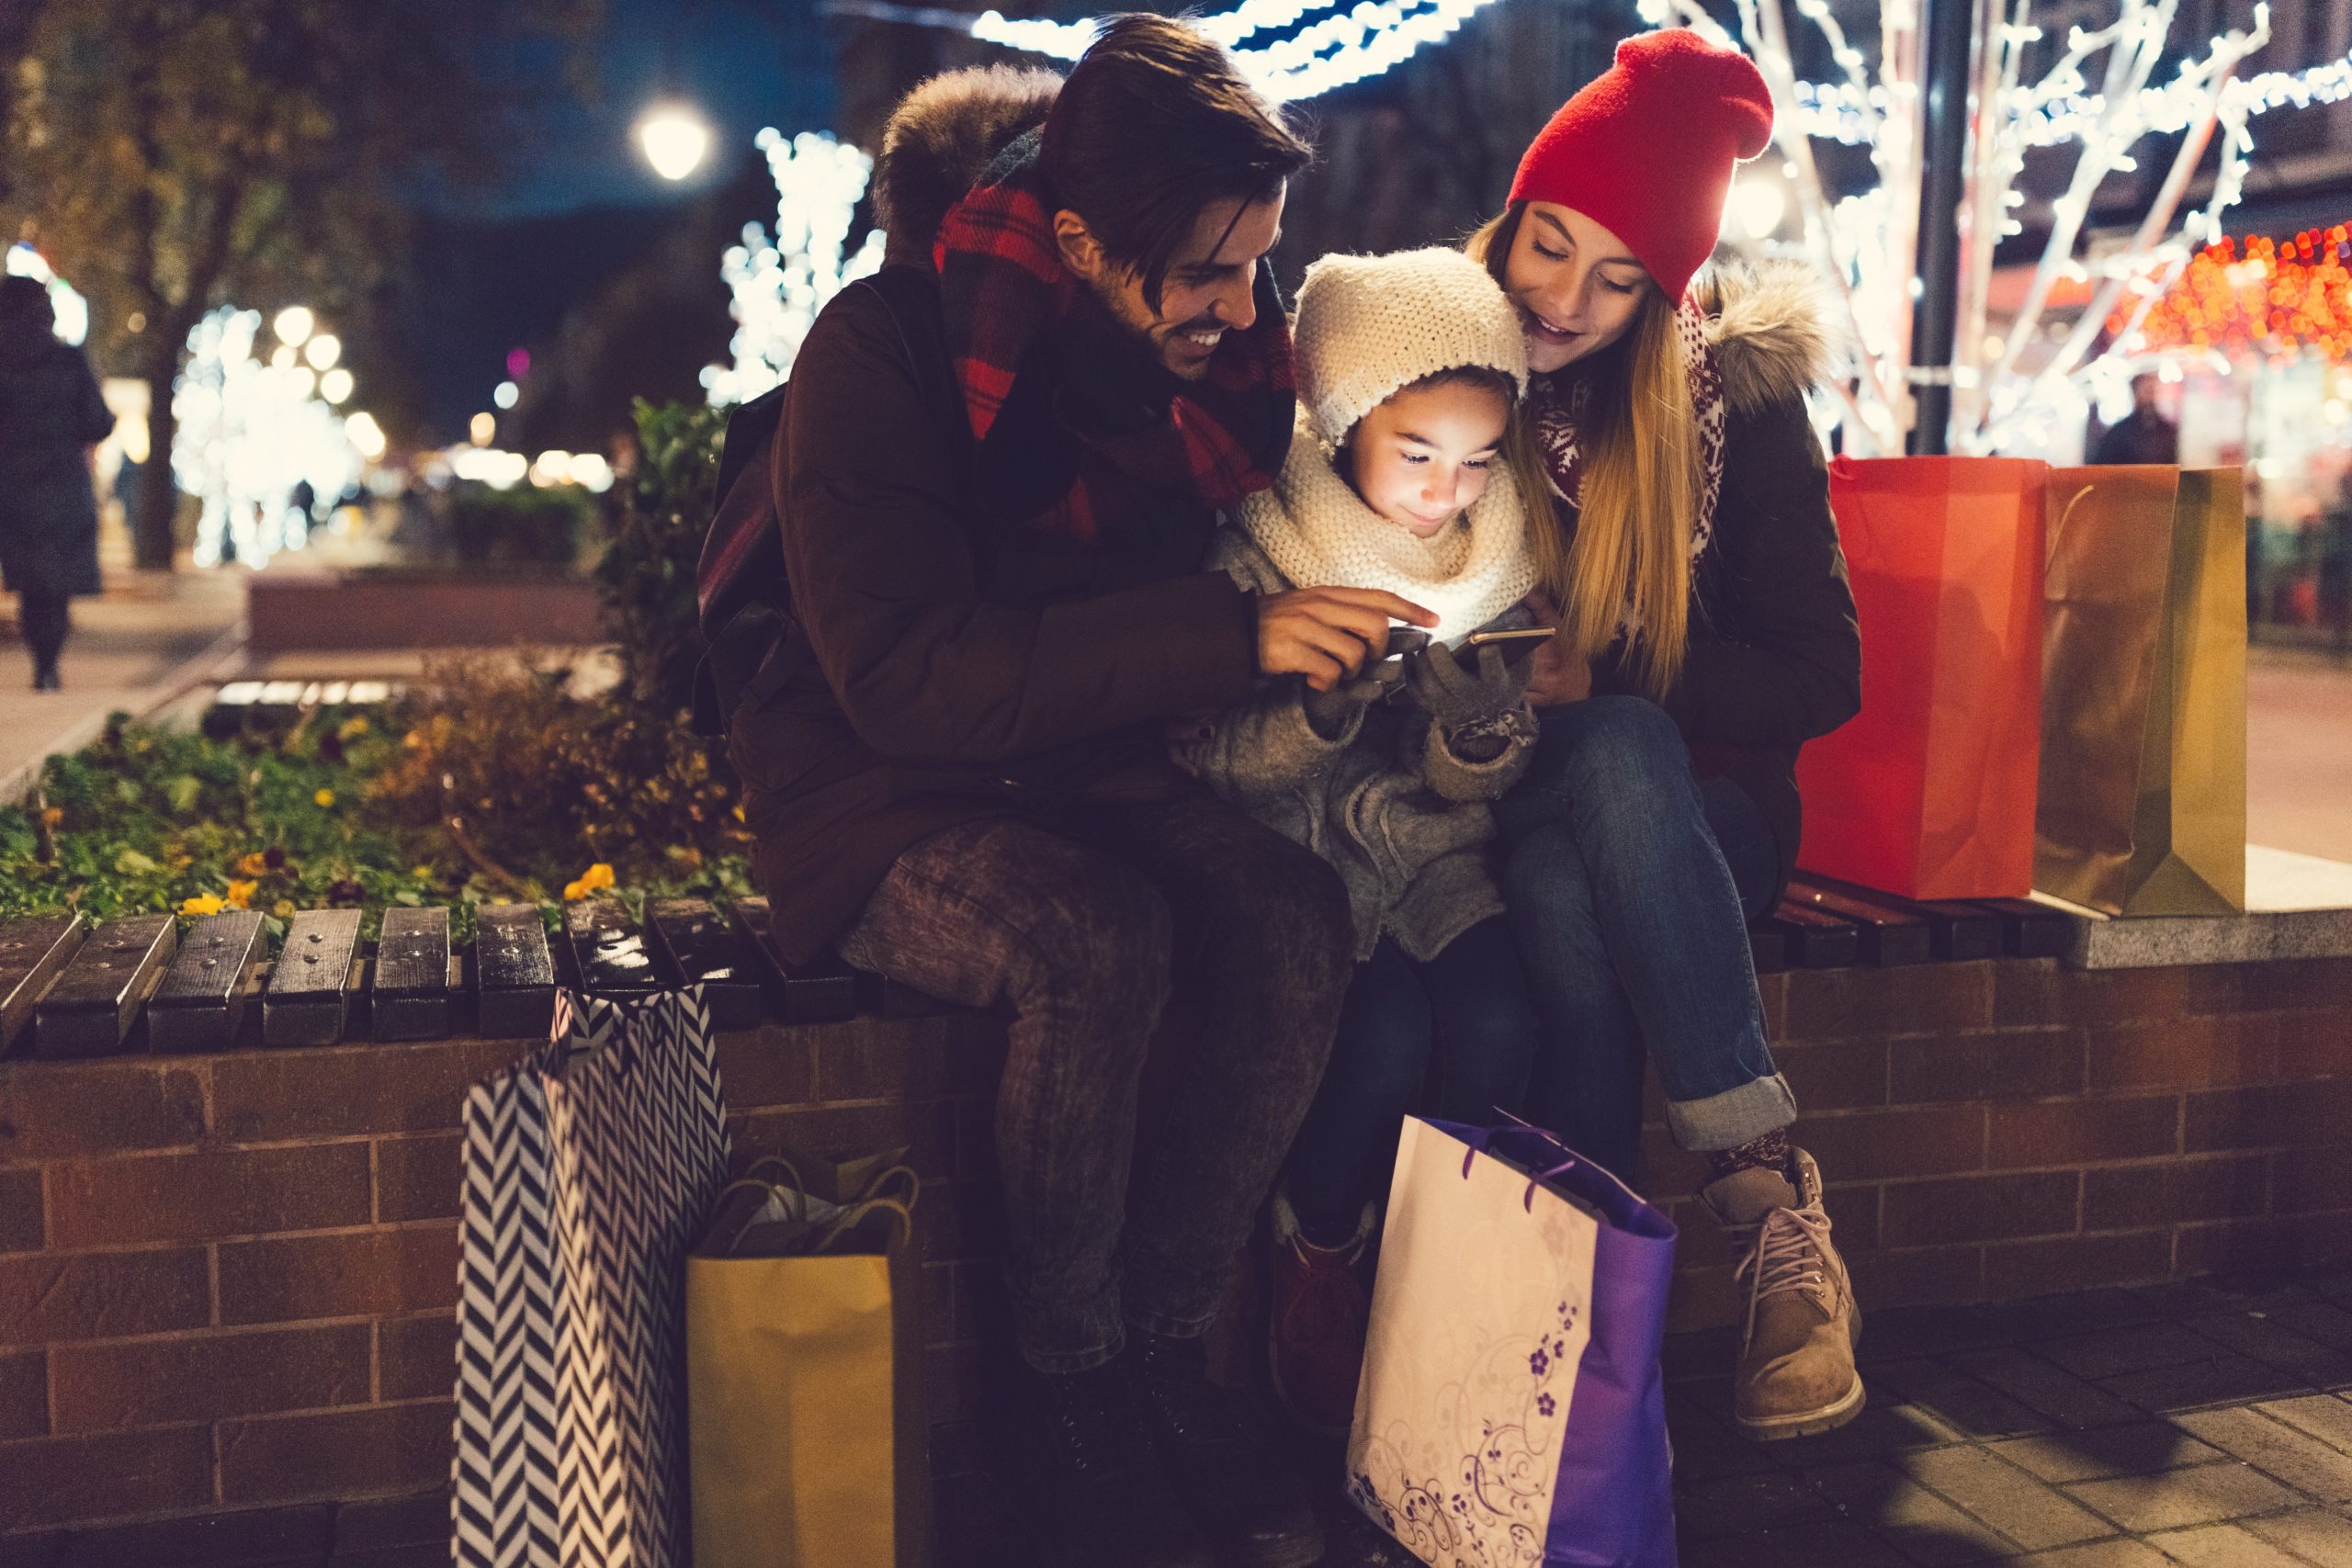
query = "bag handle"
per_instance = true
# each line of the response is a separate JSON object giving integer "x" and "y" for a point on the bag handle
{"x": 848, "y": 1220}
{"x": 2058, "y": 529}
{"x": 1482, "y": 1145}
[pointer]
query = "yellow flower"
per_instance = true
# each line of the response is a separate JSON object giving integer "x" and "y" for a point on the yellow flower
{"x": 241, "y": 894}
{"x": 574, "y": 891}
{"x": 325, "y": 797}
{"x": 202, "y": 904}
{"x": 421, "y": 872}
{"x": 283, "y": 909}
{"x": 253, "y": 865}
{"x": 352, "y": 728}
{"x": 597, "y": 875}
{"x": 54, "y": 815}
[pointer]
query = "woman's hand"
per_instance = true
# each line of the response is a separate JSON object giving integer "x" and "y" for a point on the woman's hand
{"x": 1555, "y": 677}
{"x": 1329, "y": 634}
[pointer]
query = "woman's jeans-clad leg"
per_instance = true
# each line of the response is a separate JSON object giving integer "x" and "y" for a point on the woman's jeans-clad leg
{"x": 1467, "y": 1009}
{"x": 1619, "y": 873}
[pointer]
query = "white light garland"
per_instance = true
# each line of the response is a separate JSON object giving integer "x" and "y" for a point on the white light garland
{"x": 779, "y": 282}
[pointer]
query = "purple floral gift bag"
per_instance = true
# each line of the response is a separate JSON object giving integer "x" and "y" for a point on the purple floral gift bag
{"x": 1511, "y": 1411}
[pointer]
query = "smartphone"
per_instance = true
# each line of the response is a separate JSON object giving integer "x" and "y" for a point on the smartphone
{"x": 1516, "y": 644}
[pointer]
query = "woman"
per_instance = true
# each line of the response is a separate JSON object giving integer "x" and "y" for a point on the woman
{"x": 50, "y": 415}
{"x": 1706, "y": 632}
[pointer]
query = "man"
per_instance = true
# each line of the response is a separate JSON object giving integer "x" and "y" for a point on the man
{"x": 997, "y": 476}
{"x": 2144, "y": 435}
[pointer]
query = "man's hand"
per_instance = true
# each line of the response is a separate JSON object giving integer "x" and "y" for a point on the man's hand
{"x": 1327, "y": 633}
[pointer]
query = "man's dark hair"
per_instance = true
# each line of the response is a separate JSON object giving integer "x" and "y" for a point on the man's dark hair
{"x": 1154, "y": 123}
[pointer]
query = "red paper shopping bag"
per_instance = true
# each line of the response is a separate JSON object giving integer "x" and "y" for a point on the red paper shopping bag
{"x": 1929, "y": 792}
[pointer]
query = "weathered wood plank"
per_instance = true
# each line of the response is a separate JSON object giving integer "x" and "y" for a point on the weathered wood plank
{"x": 1889, "y": 935}
{"x": 2029, "y": 929}
{"x": 608, "y": 952}
{"x": 308, "y": 1000}
{"x": 90, "y": 1010}
{"x": 514, "y": 973}
{"x": 701, "y": 949}
{"x": 409, "y": 997}
{"x": 1963, "y": 930}
{"x": 34, "y": 951}
{"x": 1816, "y": 938}
{"x": 822, "y": 992}
{"x": 202, "y": 1002}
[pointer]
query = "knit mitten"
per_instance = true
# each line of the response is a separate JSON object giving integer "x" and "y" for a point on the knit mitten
{"x": 1475, "y": 710}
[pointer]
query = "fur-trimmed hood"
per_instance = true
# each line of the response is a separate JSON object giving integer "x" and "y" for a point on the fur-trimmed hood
{"x": 1774, "y": 329}
{"x": 941, "y": 139}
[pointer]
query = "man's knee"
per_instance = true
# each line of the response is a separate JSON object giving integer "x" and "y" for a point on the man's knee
{"x": 1106, "y": 939}
{"x": 1294, "y": 909}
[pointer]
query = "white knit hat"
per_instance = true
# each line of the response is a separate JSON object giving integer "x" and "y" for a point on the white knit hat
{"x": 1367, "y": 326}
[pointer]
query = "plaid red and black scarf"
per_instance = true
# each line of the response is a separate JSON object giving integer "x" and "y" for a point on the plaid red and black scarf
{"x": 1001, "y": 285}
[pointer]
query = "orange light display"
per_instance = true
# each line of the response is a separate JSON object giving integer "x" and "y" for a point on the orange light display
{"x": 2277, "y": 298}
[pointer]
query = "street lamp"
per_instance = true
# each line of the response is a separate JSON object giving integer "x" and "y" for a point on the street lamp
{"x": 674, "y": 140}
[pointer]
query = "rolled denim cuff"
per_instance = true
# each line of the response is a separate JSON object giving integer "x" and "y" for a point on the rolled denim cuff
{"x": 1735, "y": 1117}
{"x": 1075, "y": 1339}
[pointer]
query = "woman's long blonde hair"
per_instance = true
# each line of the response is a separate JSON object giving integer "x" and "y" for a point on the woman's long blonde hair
{"x": 1620, "y": 558}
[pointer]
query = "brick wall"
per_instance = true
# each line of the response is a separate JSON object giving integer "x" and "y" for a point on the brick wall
{"x": 226, "y": 1282}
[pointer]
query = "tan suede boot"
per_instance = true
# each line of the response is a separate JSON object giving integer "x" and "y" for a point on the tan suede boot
{"x": 1796, "y": 1370}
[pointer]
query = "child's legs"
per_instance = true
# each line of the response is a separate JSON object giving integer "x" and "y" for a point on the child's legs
{"x": 1486, "y": 1025}
{"x": 1379, "y": 1061}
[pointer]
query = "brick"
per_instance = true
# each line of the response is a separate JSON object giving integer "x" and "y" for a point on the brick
{"x": 2311, "y": 1045}
{"x": 952, "y": 1387}
{"x": 1950, "y": 1396}
{"x": 2016, "y": 1065}
{"x": 382, "y": 1524}
{"x": 385, "y": 1450}
{"x": 1835, "y": 1077}
{"x": 926, "y": 1128}
{"x": 1874, "y": 1145}
{"x": 52, "y": 1109}
{"x": 2223, "y": 1546}
{"x": 2001, "y": 1495}
{"x": 2145, "y": 1447}
{"x": 218, "y": 1192}
{"x": 24, "y": 1395}
{"x": 1927, "y": 998}
{"x": 2079, "y": 1132}
{"x": 2115, "y": 1351}
{"x": 2305, "y": 1181}
{"x": 959, "y": 1220}
{"x": 2075, "y": 1262}
{"x": 2300, "y": 1460}
{"x": 2283, "y": 1242}
{"x": 117, "y": 1384}
{"x": 351, "y": 1090}
{"x": 1741, "y": 1505}
{"x": 420, "y": 1178}
{"x": 1703, "y": 1298}
{"x": 2183, "y": 1053}
{"x": 2273, "y": 1343}
{"x": 2295, "y": 985}
{"x": 2050, "y": 1389}
{"x": 1772, "y": 990}
{"x": 2201, "y": 1495}
{"x": 416, "y": 1358}
{"x": 2223, "y": 1377}
{"x": 2279, "y": 1115}
{"x": 769, "y": 1066}
{"x": 61, "y": 1480}
{"x": 276, "y": 1537}
{"x": 1920, "y": 1523}
{"x": 2211, "y": 1188}
{"x": 2322, "y": 1416}
{"x": 46, "y": 1297}
{"x": 1918, "y": 1276}
{"x": 21, "y": 1225}
{"x": 1982, "y": 1208}
{"x": 2046, "y": 992}
{"x": 2313, "y": 1534}
{"x": 354, "y": 1274}
{"x": 909, "y": 1059}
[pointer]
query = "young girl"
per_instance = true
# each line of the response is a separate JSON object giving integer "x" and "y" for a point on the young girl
{"x": 1707, "y": 633}
{"x": 1410, "y": 368}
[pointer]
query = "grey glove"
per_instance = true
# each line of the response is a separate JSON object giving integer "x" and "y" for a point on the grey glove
{"x": 1331, "y": 713}
{"x": 1479, "y": 713}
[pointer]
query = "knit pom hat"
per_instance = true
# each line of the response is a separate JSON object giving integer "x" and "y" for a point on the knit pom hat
{"x": 1367, "y": 326}
{"x": 1645, "y": 150}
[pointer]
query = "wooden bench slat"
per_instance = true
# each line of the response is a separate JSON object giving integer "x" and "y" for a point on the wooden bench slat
{"x": 608, "y": 952}
{"x": 514, "y": 973}
{"x": 34, "y": 951}
{"x": 2029, "y": 929}
{"x": 90, "y": 1010}
{"x": 1816, "y": 938}
{"x": 201, "y": 1004}
{"x": 308, "y": 1000}
{"x": 822, "y": 992}
{"x": 410, "y": 996}
{"x": 1890, "y": 936}
{"x": 703, "y": 950}
{"x": 1963, "y": 930}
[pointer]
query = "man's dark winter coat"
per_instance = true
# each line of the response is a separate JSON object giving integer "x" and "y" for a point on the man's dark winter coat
{"x": 947, "y": 664}
{"x": 51, "y": 413}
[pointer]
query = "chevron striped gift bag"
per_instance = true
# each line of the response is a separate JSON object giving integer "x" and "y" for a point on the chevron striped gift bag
{"x": 590, "y": 1167}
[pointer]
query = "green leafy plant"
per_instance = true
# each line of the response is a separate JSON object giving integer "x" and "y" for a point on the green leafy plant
{"x": 526, "y": 525}
{"x": 647, "y": 570}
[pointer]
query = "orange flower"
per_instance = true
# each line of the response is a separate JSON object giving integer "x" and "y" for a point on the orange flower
{"x": 52, "y": 815}
{"x": 253, "y": 865}
{"x": 241, "y": 894}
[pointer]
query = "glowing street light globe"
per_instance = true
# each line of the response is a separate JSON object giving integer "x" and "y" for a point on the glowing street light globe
{"x": 674, "y": 140}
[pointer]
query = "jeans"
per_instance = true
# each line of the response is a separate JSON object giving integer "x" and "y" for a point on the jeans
{"x": 1466, "y": 1009}
{"x": 1628, "y": 883}
{"x": 1084, "y": 931}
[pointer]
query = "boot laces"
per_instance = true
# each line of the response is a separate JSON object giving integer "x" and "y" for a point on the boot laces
{"x": 1788, "y": 1251}
{"x": 1094, "y": 1417}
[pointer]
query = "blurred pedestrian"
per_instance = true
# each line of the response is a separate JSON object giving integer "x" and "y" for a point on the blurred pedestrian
{"x": 50, "y": 418}
{"x": 2144, "y": 436}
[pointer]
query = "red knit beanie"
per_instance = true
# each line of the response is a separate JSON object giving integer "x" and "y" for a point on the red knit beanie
{"x": 1646, "y": 149}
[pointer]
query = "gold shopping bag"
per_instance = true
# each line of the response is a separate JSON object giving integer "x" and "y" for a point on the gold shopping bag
{"x": 2142, "y": 796}
{"x": 809, "y": 1445}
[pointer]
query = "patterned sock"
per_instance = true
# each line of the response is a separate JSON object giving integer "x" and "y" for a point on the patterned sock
{"x": 1770, "y": 1152}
